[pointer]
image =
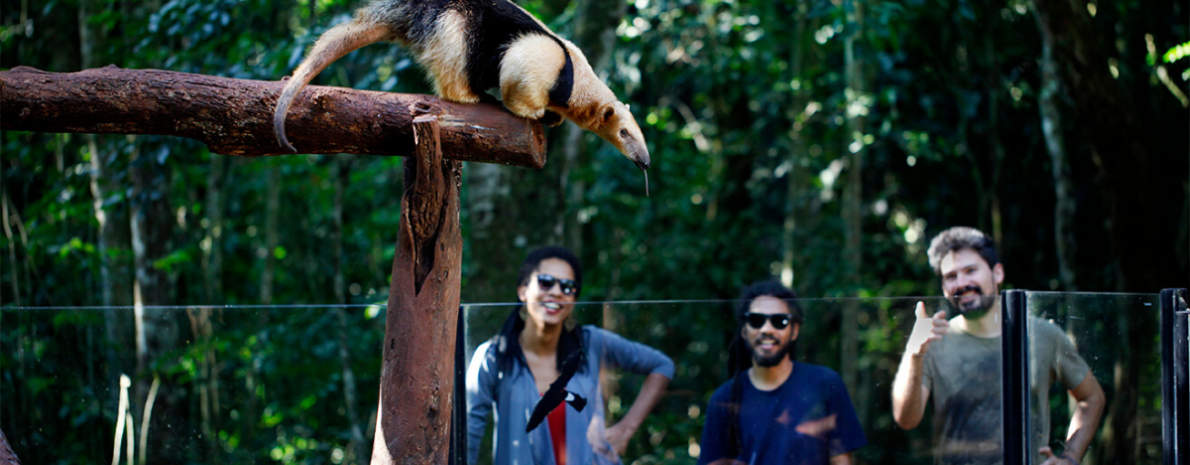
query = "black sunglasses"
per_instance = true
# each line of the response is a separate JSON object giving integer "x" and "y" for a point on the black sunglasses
{"x": 569, "y": 287}
{"x": 756, "y": 320}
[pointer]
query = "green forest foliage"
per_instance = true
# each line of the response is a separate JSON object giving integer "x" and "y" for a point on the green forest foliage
{"x": 752, "y": 110}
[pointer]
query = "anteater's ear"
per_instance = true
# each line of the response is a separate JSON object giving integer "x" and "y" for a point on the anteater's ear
{"x": 608, "y": 113}
{"x": 550, "y": 118}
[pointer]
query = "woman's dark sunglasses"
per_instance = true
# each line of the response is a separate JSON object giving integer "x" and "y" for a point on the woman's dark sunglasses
{"x": 547, "y": 282}
{"x": 756, "y": 320}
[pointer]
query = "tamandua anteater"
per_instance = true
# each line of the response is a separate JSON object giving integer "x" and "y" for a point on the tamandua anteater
{"x": 469, "y": 46}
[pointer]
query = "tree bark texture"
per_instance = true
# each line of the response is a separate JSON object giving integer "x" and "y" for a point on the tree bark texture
{"x": 111, "y": 214}
{"x": 7, "y": 456}
{"x": 995, "y": 140}
{"x": 494, "y": 213}
{"x": 417, "y": 382}
{"x": 595, "y": 34}
{"x": 234, "y": 116}
{"x": 156, "y": 329}
{"x": 358, "y": 445}
{"x": 1107, "y": 120}
{"x": 853, "y": 199}
{"x": 796, "y": 176}
{"x": 212, "y": 244}
{"x": 1052, "y": 125}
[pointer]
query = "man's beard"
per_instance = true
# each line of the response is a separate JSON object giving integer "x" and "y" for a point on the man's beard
{"x": 789, "y": 348}
{"x": 976, "y": 308}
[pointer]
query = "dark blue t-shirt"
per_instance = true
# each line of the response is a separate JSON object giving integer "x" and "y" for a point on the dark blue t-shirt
{"x": 807, "y": 420}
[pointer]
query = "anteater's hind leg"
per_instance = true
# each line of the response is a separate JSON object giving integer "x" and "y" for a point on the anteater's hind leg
{"x": 444, "y": 54}
{"x": 527, "y": 73}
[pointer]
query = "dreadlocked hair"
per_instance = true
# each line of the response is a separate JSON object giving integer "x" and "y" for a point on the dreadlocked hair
{"x": 739, "y": 371}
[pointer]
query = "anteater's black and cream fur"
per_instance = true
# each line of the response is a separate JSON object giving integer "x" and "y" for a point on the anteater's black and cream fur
{"x": 469, "y": 46}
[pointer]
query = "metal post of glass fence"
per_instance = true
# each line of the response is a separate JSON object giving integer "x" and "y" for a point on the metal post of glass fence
{"x": 1175, "y": 391}
{"x": 1014, "y": 374}
{"x": 458, "y": 413}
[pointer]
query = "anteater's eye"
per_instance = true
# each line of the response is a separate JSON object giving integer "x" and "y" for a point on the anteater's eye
{"x": 623, "y": 133}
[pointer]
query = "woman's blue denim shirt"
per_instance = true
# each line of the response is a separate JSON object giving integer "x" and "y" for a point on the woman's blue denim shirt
{"x": 515, "y": 396}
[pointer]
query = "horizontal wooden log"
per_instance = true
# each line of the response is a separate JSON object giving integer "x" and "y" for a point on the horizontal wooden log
{"x": 234, "y": 116}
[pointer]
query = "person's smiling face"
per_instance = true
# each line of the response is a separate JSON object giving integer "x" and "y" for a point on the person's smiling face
{"x": 548, "y": 306}
{"x": 970, "y": 284}
{"x": 770, "y": 345}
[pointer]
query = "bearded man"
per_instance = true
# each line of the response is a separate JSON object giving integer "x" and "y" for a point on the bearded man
{"x": 779, "y": 411}
{"x": 956, "y": 363}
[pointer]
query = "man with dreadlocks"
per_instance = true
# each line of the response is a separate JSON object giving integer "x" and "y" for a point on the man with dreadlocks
{"x": 779, "y": 411}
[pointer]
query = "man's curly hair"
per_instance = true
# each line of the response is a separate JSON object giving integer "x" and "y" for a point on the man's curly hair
{"x": 958, "y": 238}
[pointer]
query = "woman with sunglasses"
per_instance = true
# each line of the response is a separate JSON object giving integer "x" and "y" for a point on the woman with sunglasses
{"x": 516, "y": 367}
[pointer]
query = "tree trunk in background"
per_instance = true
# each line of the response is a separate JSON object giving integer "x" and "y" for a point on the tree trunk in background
{"x": 312, "y": 5}
{"x": 156, "y": 329}
{"x": 253, "y": 381}
{"x": 114, "y": 233}
{"x": 341, "y": 173}
{"x": 853, "y": 202}
{"x": 956, "y": 60}
{"x": 1106, "y": 119}
{"x": 594, "y": 32}
{"x": 111, "y": 214}
{"x": 552, "y": 8}
{"x": 1053, "y": 126}
{"x": 116, "y": 284}
{"x": 1054, "y": 108}
{"x": 208, "y": 389}
{"x": 995, "y": 92}
{"x": 200, "y": 318}
{"x": 212, "y": 249}
{"x": 796, "y": 176}
{"x": 731, "y": 165}
{"x": 359, "y": 448}
{"x": 492, "y": 214}
{"x": 271, "y": 238}
{"x": 7, "y": 215}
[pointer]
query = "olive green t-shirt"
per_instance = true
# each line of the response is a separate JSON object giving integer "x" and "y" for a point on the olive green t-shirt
{"x": 962, "y": 372}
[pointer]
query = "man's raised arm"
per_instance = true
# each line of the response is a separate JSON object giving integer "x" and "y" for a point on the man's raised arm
{"x": 909, "y": 394}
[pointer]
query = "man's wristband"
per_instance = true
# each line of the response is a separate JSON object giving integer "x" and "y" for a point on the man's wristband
{"x": 1069, "y": 457}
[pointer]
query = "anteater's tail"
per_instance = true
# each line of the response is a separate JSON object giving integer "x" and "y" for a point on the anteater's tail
{"x": 338, "y": 41}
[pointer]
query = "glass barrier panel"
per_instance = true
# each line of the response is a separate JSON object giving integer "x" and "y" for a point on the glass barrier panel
{"x": 1115, "y": 339}
{"x": 260, "y": 384}
{"x": 214, "y": 385}
{"x": 861, "y": 358}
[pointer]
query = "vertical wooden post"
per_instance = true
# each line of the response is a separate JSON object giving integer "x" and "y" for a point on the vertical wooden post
{"x": 417, "y": 381}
